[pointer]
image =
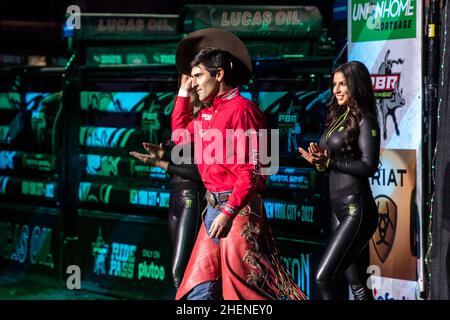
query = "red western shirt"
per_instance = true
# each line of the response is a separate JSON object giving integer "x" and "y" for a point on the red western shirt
{"x": 238, "y": 167}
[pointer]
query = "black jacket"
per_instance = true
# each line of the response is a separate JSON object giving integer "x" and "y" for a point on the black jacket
{"x": 349, "y": 175}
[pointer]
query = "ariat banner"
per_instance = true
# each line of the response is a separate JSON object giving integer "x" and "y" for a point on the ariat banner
{"x": 382, "y": 19}
{"x": 393, "y": 247}
{"x": 259, "y": 21}
{"x": 387, "y": 37}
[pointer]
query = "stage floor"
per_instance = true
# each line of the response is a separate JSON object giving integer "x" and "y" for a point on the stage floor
{"x": 27, "y": 289}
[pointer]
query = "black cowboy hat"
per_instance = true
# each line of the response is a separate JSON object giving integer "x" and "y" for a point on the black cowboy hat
{"x": 215, "y": 38}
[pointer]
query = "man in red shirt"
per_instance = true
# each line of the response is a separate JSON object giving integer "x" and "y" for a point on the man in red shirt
{"x": 234, "y": 256}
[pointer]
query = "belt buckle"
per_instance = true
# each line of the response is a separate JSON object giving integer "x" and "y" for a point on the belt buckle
{"x": 223, "y": 197}
{"x": 210, "y": 199}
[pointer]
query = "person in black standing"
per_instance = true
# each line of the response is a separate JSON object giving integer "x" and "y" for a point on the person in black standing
{"x": 348, "y": 152}
{"x": 186, "y": 201}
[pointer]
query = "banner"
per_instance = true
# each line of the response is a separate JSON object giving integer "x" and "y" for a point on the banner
{"x": 107, "y": 195}
{"x": 301, "y": 259}
{"x": 386, "y": 35}
{"x": 28, "y": 189}
{"x": 393, "y": 247}
{"x": 30, "y": 240}
{"x": 385, "y": 20}
{"x": 101, "y": 26}
{"x": 125, "y": 254}
{"x": 300, "y": 218}
{"x": 255, "y": 21}
{"x": 157, "y": 53}
{"x": 27, "y": 161}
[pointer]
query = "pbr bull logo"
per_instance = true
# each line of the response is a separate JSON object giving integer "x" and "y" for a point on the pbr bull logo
{"x": 99, "y": 251}
{"x": 384, "y": 236}
{"x": 388, "y": 94}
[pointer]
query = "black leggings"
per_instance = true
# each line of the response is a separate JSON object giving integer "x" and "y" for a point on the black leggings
{"x": 184, "y": 222}
{"x": 355, "y": 219}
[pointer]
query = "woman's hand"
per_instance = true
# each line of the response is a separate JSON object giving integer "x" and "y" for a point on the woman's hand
{"x": 157, "y": 150}
{"x": 154, "y": 156}
{"x": 318, "y": 154}
{"x": 315, "y": 155}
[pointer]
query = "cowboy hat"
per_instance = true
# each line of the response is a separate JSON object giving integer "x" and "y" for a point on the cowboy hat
{"x": 215, "y": 38}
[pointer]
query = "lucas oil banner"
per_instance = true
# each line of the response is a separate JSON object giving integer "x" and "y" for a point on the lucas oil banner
{"x": 255, "y": 21}
{"x": 386, "y": 35}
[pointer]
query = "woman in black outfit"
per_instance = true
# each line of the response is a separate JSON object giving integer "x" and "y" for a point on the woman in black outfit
{"x": 186, "y": 201}
{"x": 349, "y": 152}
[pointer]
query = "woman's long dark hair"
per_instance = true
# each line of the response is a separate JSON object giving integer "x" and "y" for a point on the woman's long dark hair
{"x": 360, "y": 88}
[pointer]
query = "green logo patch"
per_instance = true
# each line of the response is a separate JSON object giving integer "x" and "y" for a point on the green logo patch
{"x": 352, "y": 208}
{"x": 374, "y": 133}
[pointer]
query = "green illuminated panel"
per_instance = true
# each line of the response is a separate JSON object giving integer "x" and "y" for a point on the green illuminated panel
{"x": 3, "y": 184}
{"x": 4, "y": 133}
{"x": 38, "y": 189}
{"x": 88, "y": 192}
{"x": 104, "y": 137}
{"x": 149, "y": 198}
{"x": 38, "y": 161}
{"x": 9, "y": 101}
{"x": 102, "y": 165}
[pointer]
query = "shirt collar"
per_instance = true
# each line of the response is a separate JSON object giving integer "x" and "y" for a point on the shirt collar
{"x": 227, "y": 96}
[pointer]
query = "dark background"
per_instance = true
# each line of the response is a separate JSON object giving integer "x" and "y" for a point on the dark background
{"x": 39, "y": 23}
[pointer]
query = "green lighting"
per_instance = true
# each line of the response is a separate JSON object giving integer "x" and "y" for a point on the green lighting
{"x": 3, "y": 133}
{"x": 164, "y": 58}
{"x": 109, "y": 59}
{"x": 292, "y": 56}
{"x": 39, "y": 189}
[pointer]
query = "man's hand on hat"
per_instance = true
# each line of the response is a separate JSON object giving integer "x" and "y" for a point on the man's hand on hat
{"x": 186, "y": 82}
{"x": 221, "y": 226}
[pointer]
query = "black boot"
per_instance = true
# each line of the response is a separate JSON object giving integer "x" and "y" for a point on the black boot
{"x": 361, "y": 293}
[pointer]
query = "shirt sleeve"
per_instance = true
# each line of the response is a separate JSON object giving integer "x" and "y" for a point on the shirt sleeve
{"x": 181, "y": 119}
{"x": 369, "y": 145}
{"x": 248, "y": 169}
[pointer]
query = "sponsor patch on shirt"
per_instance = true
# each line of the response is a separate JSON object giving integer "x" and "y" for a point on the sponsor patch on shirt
{"x": 206, "y": 116}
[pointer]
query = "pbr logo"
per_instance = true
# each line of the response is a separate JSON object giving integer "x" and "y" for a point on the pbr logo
{"x": 99, "y": 251}
{"x": 383, "y": 238}
{"x": 389, "y": 95}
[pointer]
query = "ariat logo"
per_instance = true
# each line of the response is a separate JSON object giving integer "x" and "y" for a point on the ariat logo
{"x": 384, "y": 236}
